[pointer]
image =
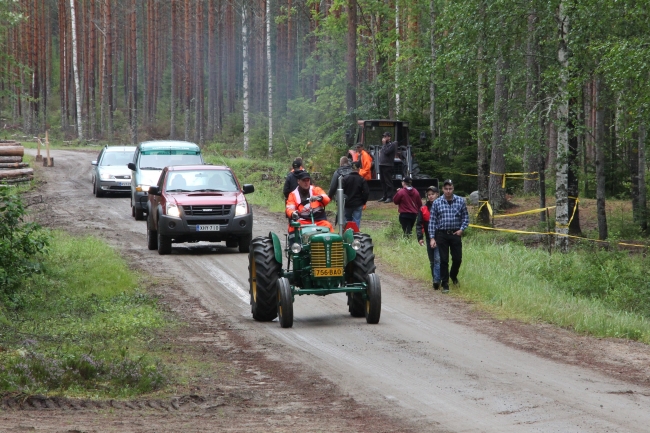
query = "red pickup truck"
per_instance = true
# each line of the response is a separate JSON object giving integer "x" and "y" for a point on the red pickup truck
{"x": 194, "y": 203}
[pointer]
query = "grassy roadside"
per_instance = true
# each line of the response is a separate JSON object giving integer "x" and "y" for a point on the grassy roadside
{"x": 602, "y": 293}
{"x": 81, "y": 327}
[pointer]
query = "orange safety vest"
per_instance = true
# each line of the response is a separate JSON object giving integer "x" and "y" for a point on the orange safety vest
{"x": 294, "y": 204}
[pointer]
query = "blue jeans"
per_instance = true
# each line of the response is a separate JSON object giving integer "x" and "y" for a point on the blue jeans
{"x": 353, "y": 214}
{"x": 434, "y": 261}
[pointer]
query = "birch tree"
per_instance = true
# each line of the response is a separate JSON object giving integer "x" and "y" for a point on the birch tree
{"x": 562, "y": 169}
{"x": 246, "y": 97}
{"x": 269, "y": 75}
{"x": 77, "y": 84}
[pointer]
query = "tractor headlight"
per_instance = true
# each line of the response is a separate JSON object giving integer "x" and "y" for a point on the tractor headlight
{"x": 296, "y": 248}
{"x": 356, "y": 245}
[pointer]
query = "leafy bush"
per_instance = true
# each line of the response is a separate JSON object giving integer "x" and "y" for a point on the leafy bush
{"x": 20, "y": 244}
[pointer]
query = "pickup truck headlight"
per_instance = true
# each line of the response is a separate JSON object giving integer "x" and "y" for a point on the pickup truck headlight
{"x": 142, "y": 188}
{"x": 106, "y": 176}
{"x": 241, "y": 208}
{"x": 172, "y": 210}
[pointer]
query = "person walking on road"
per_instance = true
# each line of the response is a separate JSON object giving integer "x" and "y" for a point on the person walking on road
{"x": 409, "y": 202}
{"x": 291, "y": 180}
{"x": 422, "y": 232}
{"x": 448, "y": 220}
{"x": 343, "y": 170}
{"x": 386, "y": 166}
{"x": 356, "y": 192}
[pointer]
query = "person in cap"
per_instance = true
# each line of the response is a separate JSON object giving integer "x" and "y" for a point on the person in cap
{"x": 386, "y": 166}
{"x": 343, "y": 170}
{"x": 448, "y": 220}
{"x": 408, "y": 201}
{"x": 356, "y": 191}
{"x": 305, "y": 200}
{"x": 424, "y": 238}
{"x": 291, "y": 180}
{"x": 366, "y": 160}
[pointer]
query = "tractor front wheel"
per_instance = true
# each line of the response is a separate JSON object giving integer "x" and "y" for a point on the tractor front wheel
{"x": 357, "y": 272}
{"x": 285, "y": 303}
{"x": 373, "y": 301}
{"x": 263, "y": 274}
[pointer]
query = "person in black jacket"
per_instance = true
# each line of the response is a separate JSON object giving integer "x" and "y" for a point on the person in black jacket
{"x": 386, "y": 166}
{"x": 291, "y": 181}
{"x": 356, "y": 192}
{"x": 344, "y": 169}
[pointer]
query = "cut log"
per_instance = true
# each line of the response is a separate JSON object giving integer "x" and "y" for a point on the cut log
{"x": 17, "y": 180}
{"x": 11, "y": 158}
{"x": 9, "y": 143}
{"x": 12, "y": 150}
{"x": 13, "y": 164}
{"x": 22, "y": 172}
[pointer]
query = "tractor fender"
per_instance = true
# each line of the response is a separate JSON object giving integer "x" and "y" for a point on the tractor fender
{"x": 277, "y": 247}
{"x": 348, "y": 238}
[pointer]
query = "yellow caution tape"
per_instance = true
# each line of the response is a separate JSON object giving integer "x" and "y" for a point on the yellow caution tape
{"x": 525, "y": 212}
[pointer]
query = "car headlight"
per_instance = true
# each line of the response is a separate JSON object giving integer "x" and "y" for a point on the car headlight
{"x": 356, "y": 245}
{"x": 296, "y": 248}
{"x": 172, "y": 210}
{"x": 106, "y": 176}
{"x": 142, "y": 188}
{"x": 241, "y": 208}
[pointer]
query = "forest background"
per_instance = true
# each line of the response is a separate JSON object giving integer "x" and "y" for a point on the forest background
{"x": 507, "y": 94}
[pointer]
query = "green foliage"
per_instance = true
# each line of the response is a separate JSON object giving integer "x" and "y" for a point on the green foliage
{"x": 81, "y": 326}
{"x": 21, "y": 244}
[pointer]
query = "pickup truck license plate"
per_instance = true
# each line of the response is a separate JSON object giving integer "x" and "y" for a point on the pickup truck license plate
{"x": 328, "y": 272}
{"x": 207, "y": 228}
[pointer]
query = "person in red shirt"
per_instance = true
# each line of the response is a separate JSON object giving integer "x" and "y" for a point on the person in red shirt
{"x": 409, "y": 202}
{"x": 305, "y": 200}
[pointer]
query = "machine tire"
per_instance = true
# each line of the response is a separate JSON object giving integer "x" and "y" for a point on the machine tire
{"x": 285, "y": 303}
{"x": 357, "y": 272}
{"x": 152, "y": 237}
{"x": 263, "y": 274}
{"x": 232, "y": 243}
{"x": 245, "y": 243}
{"x": 164, "y": 244}
{"x": 97, "y": 191}
{"x": 373, "y": 301}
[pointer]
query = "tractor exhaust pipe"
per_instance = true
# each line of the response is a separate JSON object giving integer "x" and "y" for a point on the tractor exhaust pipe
{"x": 340, "y": 201}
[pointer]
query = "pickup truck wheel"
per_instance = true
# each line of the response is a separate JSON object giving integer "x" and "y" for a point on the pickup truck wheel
{"x": 245, "y": 243}
{"x": 373, "y": 301}
{"x": 139, "y": 214}
{"x": 152, "y": 237}
{"x": 164, "y": 244}
{"x": 357, "y": 272}
{"x": 263, "y": 274}
{"x": 285, "y": 303}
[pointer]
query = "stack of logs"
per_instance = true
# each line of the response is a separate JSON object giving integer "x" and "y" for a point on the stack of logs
{"x": 12, "y": 167}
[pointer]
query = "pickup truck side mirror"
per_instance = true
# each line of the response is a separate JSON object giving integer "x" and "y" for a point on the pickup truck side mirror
{"x": 153, "y": 190}
{"x": 131, "y": 166}
{"x": 93, "y": 162}
{"x": 248, "y": 188}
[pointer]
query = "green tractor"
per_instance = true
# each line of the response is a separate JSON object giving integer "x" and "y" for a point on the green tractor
{"x": 318, "y": 263}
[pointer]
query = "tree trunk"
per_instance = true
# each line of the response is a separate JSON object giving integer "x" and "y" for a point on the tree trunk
{"x": 562, "y": 177}
{"x": 599, "y": 142}
{"x": 499, "y": 125}
{"x": 531, "y": 148}
{"x": 573, "y": 187}
{"x": 483, "y": 164}
{"x": 269, "y": 73}
{"x": 174, "y": 71}
{"x": 642, "y": 205}
{"x": 397, "y": 53}
{"x": 77, "y": 84}
{"x": 246, "y": 101}
{"x": 432, "y": 86}
{"x": 351, "y": 76}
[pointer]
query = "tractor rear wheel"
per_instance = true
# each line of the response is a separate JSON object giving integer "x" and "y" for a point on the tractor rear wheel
{"x": 373, "y": 301}
{"x": 358, "y": 270}
{"x": 285, "y": 303}
{"x": 263, "y": 274}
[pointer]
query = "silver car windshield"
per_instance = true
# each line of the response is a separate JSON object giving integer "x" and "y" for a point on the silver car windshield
{"x": 201, "y": 181}
{"x": 116, "y": 158}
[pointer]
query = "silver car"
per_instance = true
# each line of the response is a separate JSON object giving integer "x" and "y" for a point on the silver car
{"x": 110, "y": 173}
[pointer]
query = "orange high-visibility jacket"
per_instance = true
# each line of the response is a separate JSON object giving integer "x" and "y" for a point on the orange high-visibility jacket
{"x": 293, "y": 204}
{"x": 366, "y": 165}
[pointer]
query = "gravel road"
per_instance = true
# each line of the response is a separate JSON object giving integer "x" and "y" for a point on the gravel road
{"x": 432, "y": 363}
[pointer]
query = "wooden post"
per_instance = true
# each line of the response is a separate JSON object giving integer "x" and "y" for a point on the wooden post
{"x": 49, "y": 162}
{"x": 39, "y": 157}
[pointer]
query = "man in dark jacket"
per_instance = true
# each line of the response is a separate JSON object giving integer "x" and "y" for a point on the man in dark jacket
{"x": 343, "y": 170}
{"x": 386, "y": 166}
{"x": 356, "y": 192}
{"x": 291, "y": 181}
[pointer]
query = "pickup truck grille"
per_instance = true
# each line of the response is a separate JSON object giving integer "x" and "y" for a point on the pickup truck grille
{"x": 220, "y": 209}
{"x": 195, "y": 221}
{"x": 319, "y": 255}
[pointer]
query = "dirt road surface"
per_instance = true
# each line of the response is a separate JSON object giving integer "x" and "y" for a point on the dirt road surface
{"x": 432, "y": 364}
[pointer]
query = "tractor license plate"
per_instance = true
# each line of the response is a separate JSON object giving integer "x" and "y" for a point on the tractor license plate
{"x": 207, "y": 228}
{"x": 328, "y": 272}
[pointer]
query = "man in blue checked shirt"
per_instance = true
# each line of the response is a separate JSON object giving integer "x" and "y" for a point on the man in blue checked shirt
{"x": 449, "y": 219}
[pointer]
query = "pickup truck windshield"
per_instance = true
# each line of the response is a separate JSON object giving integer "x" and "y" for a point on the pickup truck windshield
{"x": 201, "y": 181}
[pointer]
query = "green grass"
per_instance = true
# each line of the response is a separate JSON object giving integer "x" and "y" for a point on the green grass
{"x": 81, "y": 326}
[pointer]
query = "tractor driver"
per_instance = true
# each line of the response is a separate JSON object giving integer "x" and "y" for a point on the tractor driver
{"x": 305, "y": 200}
